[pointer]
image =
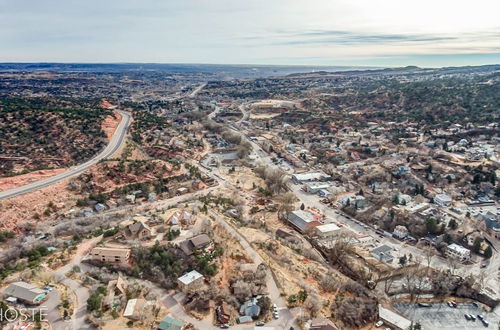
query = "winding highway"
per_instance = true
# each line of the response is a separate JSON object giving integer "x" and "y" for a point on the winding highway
{"x": 115, "y": 144}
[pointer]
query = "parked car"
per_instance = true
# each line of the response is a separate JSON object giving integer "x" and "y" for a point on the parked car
{"x": 260, "y": 324}
{"x": 424, "y": 305}
{"x": 479, "y": 316}
{"x": 467, "y": 317}
{"x": 224, "y": 326}
{"x": 276, "y": 315}
{"x": 472, "y": 317}
{"x": 379, "y": 324}
{"x": 485, "y": 323}
{"x": 475, "y": 304}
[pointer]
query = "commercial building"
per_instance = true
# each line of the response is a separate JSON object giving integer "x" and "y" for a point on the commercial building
{"x": 303, "y": 220}
{"x": 328, "y": 230}
{"x": 308, "y": 177}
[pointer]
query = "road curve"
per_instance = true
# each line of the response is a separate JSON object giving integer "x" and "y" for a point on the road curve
{"x": 116, "y": 142}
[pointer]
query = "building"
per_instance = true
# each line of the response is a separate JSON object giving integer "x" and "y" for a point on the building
{"x": 135, "y": 309}
{"x": 137, "y": 230}
{"x": 328, "y": 230}
{"x": 308, "y": 177}
{"x": 25, "y": 293}
{"x": 322, "y": 324}
{"x": 383, "y": 254}
{"x": 201, "y": 243}
{"x": 190, "y": 281}
{"x": 457, "y": 252}
{"x": 400, "y": 232}
{"x": 303, "y": 220}
{"x": 118, "y": 256}
{"x": 393, "y": 319}
{"x": 442, "y": 200}
{"x": 250, "y": 308}
{"x": 169, "y": 323}
{"x": 315, "y": 187}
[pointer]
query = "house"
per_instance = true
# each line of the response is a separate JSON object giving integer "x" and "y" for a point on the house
{"x": 250, "y": 308}
{"x": 303, "y": 220}
{"x": 315, "y": 187}
{"x": 200, "y": 243}
{"x": 457, "y": 252}
{"x": 190, "y": 281}
{"x": 137, "y": 230}
{"x": 223, "y": 313}
{"x": 442, "y": 200}
{"x": 182, "y": 218}
{"x": 491, "y": 221}
{"x": 169, "y": 323}
{"x": 328, "y": 230}
{"x": 119, "y": 256}
{"x": 359, "y": 202}
{"x": 403, "y": 199}
{"x": 322, "y": 324}
{"x": 135, "y": 309}
{"x": 400, "y": 232}
{"x": 181, "y": 191}
{"x": 382, "y": 253}
{"x": 25, "y": 293}
{"x": 308, "y": 177}
{"x": 393, "y": 319}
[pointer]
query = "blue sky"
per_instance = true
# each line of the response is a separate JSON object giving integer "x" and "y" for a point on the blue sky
{"x": 313, "y": 32}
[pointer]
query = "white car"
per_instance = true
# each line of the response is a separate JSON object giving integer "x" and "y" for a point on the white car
{"x": 276, "y": 315}
{"x": 379, "y": 324}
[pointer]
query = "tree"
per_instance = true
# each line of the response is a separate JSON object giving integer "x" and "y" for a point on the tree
{"x": 477, "y": 245}
{"x": 453, "y": 224}
{"x": 302, "y": 296}
{"x": 431, "y": 225}
{"x": 402, "y": 260}
{"x": 488, "y": 252}
{"x": 302, "y": 206}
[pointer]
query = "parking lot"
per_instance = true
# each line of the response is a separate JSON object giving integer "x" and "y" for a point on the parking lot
{"x": 441, "y": 316}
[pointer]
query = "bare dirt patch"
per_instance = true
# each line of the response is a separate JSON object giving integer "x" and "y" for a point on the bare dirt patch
{"x": 21, "y": 180}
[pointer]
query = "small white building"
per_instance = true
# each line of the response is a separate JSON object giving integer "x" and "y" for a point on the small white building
{"x": 457, "y": 252}
{"x": 190, "y": 281}
{"x": 328, "y": 230}
{"x": 315, "y": 187}
{"x": 308, "y": 177}
{"x": 442, "y": 200}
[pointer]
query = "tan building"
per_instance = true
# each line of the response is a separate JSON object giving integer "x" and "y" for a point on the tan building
{"x": 191, "y": 281}
{"x": 118, "y": 256}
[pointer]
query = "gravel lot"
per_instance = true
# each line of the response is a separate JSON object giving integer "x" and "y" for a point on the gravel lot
{"x": 441, "y": 316}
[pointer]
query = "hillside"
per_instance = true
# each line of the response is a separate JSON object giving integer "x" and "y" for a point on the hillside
{"x": 40, "y": 133}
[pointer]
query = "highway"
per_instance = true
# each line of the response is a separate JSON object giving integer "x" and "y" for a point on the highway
{"x": 115, "y": 144}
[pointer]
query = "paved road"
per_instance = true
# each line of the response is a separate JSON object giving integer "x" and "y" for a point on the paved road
{"x": 116, "y": 142}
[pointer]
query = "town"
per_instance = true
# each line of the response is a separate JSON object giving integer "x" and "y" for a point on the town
{"x": 362, "y": 199}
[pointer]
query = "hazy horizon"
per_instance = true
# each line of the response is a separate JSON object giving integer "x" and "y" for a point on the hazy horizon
{"x": 376, "y": 33}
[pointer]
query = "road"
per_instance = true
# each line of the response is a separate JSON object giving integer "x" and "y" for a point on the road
{"x": 80, "y": 292}
{"x": 115, "y": 144}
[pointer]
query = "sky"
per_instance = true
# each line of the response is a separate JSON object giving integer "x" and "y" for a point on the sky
{"x": 427, "y": 33}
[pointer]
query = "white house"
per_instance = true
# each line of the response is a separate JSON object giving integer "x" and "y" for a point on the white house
{"x": 458, "y": 252}
{"x": 328, "y": 230}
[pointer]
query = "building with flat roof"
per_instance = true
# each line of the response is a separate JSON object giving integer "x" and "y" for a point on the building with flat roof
{"x": 328, "y": 230}
{"x": 190, "y": 281}
{"x": 118, "y": 256}
{"x": 308, "y": 177}
{"x": 393, "y": 319}
{"x": 457, "y": 252}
